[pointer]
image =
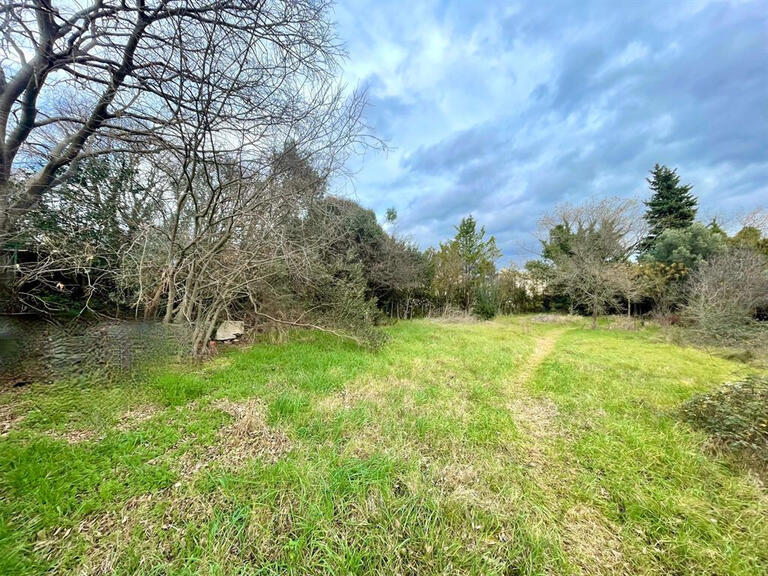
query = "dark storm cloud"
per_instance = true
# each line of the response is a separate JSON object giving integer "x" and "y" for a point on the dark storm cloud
{"x": 516, "y": 110}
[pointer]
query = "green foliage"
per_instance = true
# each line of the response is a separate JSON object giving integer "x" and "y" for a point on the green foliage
{"x": 715, "y": 228}
{"x": 748, "y": 236}
{"x": 735, "y": 415}
{"x": 486, "y": 303}
{"x": 77, "y": 231}
{"x": 391, "y": 269}
{"x": 477, "y": 255}
{"x": 518, "y": 291}
{"x": 661, "y": 272}
{"x": 671, "y": 206}
{"x": 687, "y": 246}
{"x": 558, "y": 243}
{"x": 674, "y": 256}
{"x": 98, "y": 207}
{"x": 464, "y": 264}
{"x": 751, "y": 237}
{"x": 662, "y": 284}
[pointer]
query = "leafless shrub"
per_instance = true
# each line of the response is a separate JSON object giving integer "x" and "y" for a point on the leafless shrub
{"x": 725, "y": 293}
{"x": 552, "y": 318}
{"x": 452, "y": 315}
{"x": 624, "y": 323}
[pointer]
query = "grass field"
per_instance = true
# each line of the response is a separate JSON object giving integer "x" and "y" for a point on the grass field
{"x": 507, "y": 447}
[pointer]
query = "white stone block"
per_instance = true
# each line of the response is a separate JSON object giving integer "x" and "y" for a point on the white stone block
{"x": 229, "y": 330}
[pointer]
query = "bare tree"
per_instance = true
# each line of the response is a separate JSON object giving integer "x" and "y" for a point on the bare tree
{"x": 223, "y": 102}
{"x": 757, "y": 219}
{"x": 726, "y": 292}
{"x": 81, "y": 79}
{"x": 589, "y": 246}
{"x": 230, "y": 241}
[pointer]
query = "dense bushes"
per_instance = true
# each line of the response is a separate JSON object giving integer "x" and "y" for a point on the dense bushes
{"x": 278, "y": 246}
{"x": 680, "y": 272}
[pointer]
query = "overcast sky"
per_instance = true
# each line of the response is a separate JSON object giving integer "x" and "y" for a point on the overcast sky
{"x": 504, "y": 109}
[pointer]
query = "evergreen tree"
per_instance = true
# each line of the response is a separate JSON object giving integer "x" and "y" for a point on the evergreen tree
{"x": 671, "y": 206}
{"x": 465, "y": 263}
{"x": 688, "y": 246}
{"x": 477, "y": 256}
{"x": 715, "y": 228}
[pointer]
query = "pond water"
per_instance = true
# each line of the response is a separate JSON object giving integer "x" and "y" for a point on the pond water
{"x": 32, "y": 349}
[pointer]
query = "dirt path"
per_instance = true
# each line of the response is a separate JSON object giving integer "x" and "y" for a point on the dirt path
{"x": 537, "y": 416}
{"x": 589, "y": 538}
{"x": 544, "y": 346}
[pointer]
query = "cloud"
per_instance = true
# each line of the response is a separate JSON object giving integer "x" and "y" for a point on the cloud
{"x": 504, "y": 111}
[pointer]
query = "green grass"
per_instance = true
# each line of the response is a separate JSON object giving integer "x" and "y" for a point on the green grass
{"x": 506, "y": 447}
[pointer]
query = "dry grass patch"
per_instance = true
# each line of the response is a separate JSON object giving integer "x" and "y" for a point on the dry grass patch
{"x": 553, "y": 319}
{"x": 374, "y": 391}
{"x": 136, "y": 416}
{"x": 592, "y": 543}
{"x": 9, "y": 418}
{"x": 460, "y": 481}
{"x": 75, "y": 435}
{"x": 624, "y": 323}
{"x": 538, "y": 417}
{"x": 146, "y": 519}
{"x": 247, "y": 437}
{"x": 452, "y": 315}
{"x": 367, "y": 441}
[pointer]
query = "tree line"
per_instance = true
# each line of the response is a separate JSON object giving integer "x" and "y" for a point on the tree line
{"x": 608, "y": 256}
{"x": 172, "y": 160}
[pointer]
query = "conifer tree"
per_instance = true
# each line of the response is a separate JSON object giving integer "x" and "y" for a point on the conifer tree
{"x": 466, "y": 262}
{"x": 715, "y": 228}
{"x": 671, "y": 206}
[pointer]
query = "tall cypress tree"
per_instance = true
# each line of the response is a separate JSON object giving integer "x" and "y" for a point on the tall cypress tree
{"x": 671, "y": 206}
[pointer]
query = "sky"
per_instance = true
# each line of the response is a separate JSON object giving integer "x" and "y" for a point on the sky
{"x": 504, "y": 110}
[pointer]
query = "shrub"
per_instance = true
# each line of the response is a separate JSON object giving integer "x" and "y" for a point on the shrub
{"x": 736, "y": 415}
{"x": 452, "y": 315}
{"x": 726, "y": 293}
{"x": 486, "y": 303}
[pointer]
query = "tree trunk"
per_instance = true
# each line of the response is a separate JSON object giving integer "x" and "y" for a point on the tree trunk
{"x": 151, "y": 309}
{"x": 6, "y": 188}
{"x": 7, "y": 277}
{"x": 171, "y": 297}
